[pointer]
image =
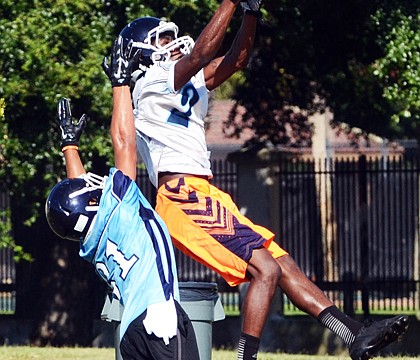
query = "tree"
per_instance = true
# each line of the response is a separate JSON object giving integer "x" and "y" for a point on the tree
{"x": 398, "y": 69}
{"x": 45, "y": 53}
{"x": 339, "y": 52}
{"x": 309, "y": 55}
{"x": 48, "y": 50}
{"x": 6, "y": 239}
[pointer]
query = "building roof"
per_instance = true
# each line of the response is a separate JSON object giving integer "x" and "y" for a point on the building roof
{"x": 339, "y": 140}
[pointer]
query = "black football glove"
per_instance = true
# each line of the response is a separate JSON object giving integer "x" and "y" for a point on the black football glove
{"x": 106, "y": 68}
{"x": 252, "y": 6}
{"x": 121, "y": 67}
{"x": 70, "y": 130}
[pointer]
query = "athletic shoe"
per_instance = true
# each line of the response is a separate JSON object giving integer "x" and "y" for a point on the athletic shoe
{"x": 375, "y": 335}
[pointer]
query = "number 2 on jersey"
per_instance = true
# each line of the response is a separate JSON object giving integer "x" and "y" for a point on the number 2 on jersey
{"x": 189, "y": 97}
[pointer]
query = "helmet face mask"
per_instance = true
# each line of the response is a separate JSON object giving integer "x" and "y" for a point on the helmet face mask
{"x": 163, "y": 53}
{"x": 71, "y": 208}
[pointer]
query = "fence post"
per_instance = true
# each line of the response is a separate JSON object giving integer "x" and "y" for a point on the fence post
{"x": 364, "y": 239}
{"x": 416, "y": 276}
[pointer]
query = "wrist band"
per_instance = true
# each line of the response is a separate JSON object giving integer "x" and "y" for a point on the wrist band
{"x": 69, "y": 147}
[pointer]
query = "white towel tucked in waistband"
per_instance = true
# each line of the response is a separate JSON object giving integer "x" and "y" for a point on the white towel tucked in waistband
{"x": 161, "y": 320}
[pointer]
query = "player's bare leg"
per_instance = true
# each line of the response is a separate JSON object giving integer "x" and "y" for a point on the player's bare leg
{"x": 363, "y": 340}
{"x": 264, "y": 274}
{"x": 299, "y": 289}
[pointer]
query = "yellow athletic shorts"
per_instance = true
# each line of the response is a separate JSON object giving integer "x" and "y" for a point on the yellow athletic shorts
{"x": 205, "y": 224}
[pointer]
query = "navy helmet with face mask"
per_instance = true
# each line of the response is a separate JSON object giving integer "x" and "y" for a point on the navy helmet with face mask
{"x": 145, "y": 33}
{"x": 72, "y": 206}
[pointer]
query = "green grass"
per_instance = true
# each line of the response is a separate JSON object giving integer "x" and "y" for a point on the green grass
{"x": 382, "y": 312}
{"x": 50, "y": 353}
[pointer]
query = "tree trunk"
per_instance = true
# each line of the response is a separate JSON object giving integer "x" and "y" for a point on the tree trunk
{"x": 58, "y": 291}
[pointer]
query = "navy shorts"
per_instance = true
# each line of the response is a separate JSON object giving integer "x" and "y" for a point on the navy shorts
{"x": 137, "y": 344}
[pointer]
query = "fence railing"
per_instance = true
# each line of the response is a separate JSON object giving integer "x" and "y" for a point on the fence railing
{"x": 7, "y": 265}
{"x": 352, "y": 226}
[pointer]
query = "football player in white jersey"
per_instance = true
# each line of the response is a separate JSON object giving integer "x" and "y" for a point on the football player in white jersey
{"x": 121, "y": 235}
{"x": 170, "y": 86}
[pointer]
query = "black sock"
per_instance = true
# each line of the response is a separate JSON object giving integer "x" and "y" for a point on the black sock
{"x": 248, "y": 347}
{"x": 340, "y": 324}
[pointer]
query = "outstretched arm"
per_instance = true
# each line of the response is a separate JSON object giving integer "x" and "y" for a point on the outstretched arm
{"x": 207, "y": 44}
{"x": 70, "y": 136}
{"x": 123, "y": 132}
{"x": 222, "y": 68}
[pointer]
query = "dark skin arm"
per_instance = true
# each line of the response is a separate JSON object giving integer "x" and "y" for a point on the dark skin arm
{"x": 123, "y": 132}
{"x": 206, "y": 46}
{"x": 123, "y": 136}
{"x": 74, "y": 165}
{"x": 222, "y": 68}
{"x": 70, "y": 132}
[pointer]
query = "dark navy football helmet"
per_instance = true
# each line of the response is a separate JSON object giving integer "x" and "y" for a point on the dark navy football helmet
{"x": 72, "y": 205}
{"x": 144, "y": 33}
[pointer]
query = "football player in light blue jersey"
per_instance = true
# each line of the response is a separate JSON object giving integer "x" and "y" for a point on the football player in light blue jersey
{"x": 120, "y": 233}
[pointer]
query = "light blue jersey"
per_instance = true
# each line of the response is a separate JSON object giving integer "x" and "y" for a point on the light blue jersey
{"x": 131, "y": 249}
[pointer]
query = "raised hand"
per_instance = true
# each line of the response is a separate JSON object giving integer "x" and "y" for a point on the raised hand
{"x": 121, "y": 67}
{"x": 70, "y": 129}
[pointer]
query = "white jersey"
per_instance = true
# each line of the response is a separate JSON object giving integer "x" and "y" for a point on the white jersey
{"x": 170, "y": 124}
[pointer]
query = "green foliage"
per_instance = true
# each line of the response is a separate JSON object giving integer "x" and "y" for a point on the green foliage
{"x": 336, "y": 54}
{"x": 46, "y": 52}
{"x": 54, "y": 48}
{"x": 339, "y": 52}
{"x": 399, "y": 68}
{"x": 7, "y": 241}
{"x": 50, "y": 49}
{"x": 6, "y": 238}
{"x": 359, "y": 58}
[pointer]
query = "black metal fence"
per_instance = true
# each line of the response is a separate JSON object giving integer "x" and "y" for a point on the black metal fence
{"x": 7, "y": 265}
{"x": 352, "y": 225}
